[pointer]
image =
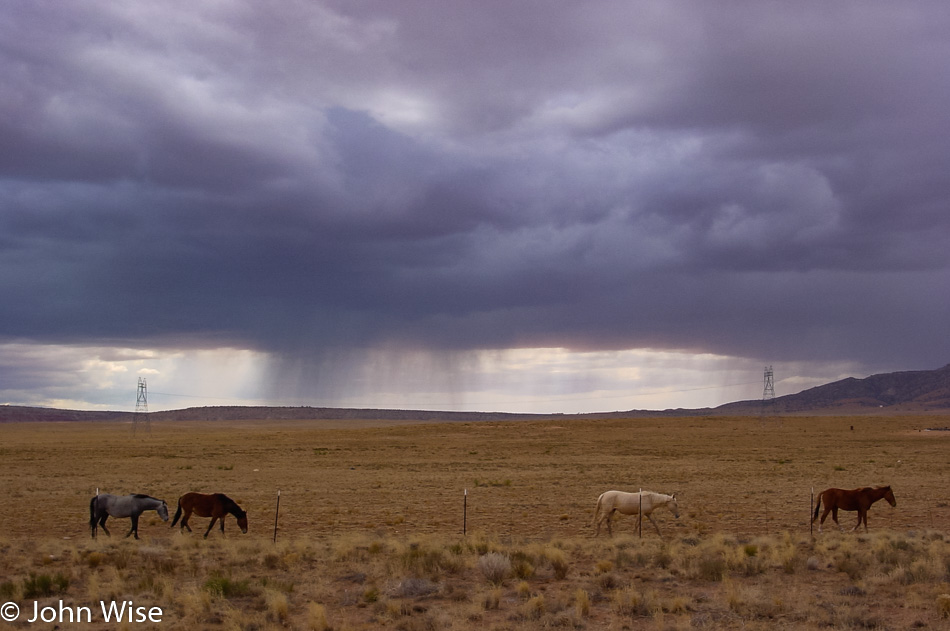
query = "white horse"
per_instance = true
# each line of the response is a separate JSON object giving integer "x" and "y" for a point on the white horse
{"x": 631, "y": 504}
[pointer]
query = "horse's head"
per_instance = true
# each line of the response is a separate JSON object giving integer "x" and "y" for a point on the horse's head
{"x": 674, "y": 506}
{"x": 889, "y": 496}
{"x": 242, "y": 521}
{"x": 163, "y": 511}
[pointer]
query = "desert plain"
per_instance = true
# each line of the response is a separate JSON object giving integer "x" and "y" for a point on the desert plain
{"x": 484, "y": 525}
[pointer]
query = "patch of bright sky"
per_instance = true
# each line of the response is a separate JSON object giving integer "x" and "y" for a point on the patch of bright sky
{"x": 401, "y": 110}
{"x": 545, "y": 380}
{"x": 549, "y": 380}
{"x": 106, "y": 378}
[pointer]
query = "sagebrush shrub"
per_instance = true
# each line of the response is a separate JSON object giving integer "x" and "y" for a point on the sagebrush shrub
{"x": 495, "y": 567}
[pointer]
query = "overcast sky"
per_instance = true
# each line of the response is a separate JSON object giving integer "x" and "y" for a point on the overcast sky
{"x": 495, "y": 205}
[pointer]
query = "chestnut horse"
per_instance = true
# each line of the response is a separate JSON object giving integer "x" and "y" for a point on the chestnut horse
{"x": 855, "y": 499}
{"x": 215, "y": 506}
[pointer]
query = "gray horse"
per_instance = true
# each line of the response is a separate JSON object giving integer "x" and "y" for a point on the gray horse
{"x": 104, "y": 505}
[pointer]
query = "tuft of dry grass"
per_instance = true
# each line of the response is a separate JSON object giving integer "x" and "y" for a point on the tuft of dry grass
{"x": 278, "y": 607}
{"x": 630, "y": 601}
{"x": 581, "y": 603}
{"x": 943, "y": 605}
{"x": 534, "y": 608}
{"x": 559, "y": 562}
{"x": 317, "y": 617}
{"x": 523, "y": 590}
{"x": 491, "y": 599}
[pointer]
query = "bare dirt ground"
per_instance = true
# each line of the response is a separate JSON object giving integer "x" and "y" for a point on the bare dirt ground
{"x": 355, "y": 496}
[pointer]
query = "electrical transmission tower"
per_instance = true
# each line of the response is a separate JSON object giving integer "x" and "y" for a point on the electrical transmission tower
{"x": 141, "y": 408}
{"x": 768, "y": 393}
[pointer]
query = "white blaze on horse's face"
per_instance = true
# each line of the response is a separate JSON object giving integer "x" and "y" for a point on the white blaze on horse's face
{"x": 163, "y": 511}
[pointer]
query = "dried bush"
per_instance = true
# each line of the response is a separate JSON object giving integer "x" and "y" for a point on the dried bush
{"x": 495, "y": 567}
{"x": 632, "y": 602}
{"x": 414, "y": 587}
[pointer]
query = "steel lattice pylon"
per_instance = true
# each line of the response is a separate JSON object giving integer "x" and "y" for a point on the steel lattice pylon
{"x": 141, "y": 408}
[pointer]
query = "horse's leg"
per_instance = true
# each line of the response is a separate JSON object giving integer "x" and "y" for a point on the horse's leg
{"x": 610, "y": 518}
{"x": 824, "y": 516}
{"x": 222, "y": 523}
{"x": 603, "y": 518}
{"x": 135, "y": 527}
{"x": 834, "y": 516}
{"x": 102, "y": 524}
{"x": 650, "y": 517}
{"x": 210, "y": 526}
{"x": 184, "y": 520}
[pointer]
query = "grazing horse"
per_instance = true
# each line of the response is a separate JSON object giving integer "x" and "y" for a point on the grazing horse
{"x": 104, "y": 505}
{"x": 215, "y": 506}
{"x": 631, "y": 504}
{"x": 855, "y": 499}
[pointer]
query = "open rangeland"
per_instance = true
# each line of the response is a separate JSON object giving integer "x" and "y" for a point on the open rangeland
{"x": 371, "y": 518}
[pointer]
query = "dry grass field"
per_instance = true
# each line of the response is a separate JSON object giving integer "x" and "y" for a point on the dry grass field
{"x": 370, "y": 525}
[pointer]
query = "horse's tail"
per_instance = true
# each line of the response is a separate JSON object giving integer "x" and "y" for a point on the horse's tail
{"x": 600, "y": 501}
{"x": 93, "y": 504}
{"x": 817, "y": 506}
{"x": 177, "y": 513}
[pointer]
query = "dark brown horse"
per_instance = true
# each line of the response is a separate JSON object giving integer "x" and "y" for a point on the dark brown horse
{"x": 215, "y": 506}
{"x": 855, "y": 499}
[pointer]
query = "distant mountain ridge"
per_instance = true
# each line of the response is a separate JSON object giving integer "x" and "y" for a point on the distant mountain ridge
{"x": 910, "y": 391}
{"x": 918, "y": 391}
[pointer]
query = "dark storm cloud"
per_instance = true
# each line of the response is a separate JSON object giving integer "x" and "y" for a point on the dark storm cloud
{"x": 749, "y": 179}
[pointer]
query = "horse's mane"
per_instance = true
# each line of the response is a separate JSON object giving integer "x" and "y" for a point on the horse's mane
{"x": 229, "y": 504}
{"x": 143, "y": 496}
